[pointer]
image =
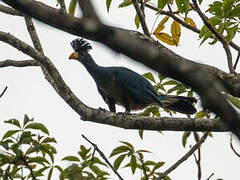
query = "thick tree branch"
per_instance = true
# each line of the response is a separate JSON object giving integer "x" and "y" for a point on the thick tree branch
{"x": 185, "y": 157}
{"x": 141, "y": 17}
{"x": 150, "y": 53}
{"x": 22, "y": 63}
{"x": 10, "y": 11}
{"x": 219, "y": 36}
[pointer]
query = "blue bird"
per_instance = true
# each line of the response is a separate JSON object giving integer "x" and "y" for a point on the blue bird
{"x": 122, "y": 86}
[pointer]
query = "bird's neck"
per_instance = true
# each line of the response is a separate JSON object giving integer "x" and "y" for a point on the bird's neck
{"x": 91, "y": 66}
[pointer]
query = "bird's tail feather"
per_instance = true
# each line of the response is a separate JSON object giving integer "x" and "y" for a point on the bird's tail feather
{"x": 179, "y": 104}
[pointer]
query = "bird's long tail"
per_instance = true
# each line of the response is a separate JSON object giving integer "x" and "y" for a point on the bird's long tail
{"x": 179, "y": 104}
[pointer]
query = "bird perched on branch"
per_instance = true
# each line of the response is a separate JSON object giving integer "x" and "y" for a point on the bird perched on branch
{"x": 122, "y": 86}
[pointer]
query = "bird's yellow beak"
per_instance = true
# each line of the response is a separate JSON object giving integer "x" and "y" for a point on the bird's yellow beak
{"x": 74, "y": 55}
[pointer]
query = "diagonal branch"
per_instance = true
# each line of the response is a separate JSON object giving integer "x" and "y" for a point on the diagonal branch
{"x": 185, "y": 157}
{"x": 219, "y": 36}
{"x": 3, "y": 91}
{"x": 22, "y": 63}
{"x": 103, "y": 156}
{"x": 141, "y": 17}
{"x": 33, "y": 34}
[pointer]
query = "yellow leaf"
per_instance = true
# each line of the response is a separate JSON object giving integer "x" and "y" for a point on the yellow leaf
{"x": 161, "y": 25}
{"x": 190, "y": 22}
{"x": 164, "y": 37}
{"x": 176, "y": 32}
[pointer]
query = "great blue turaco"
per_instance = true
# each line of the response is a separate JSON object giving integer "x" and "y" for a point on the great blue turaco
{"x": 122, "y": 86}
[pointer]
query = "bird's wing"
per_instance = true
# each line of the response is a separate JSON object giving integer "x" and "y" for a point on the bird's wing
{"x": 135, "y": 85}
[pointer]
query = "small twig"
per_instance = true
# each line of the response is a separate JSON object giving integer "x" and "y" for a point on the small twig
{"x": 10, "y": 11}
{"x": 63, "y": 7}
{"x": 141, "y": 17}
{"x": 210, "y": 176}
{"x": 185, "y": 157}
{"x": 143, "y": 168}
{"x": 219, "y": 36}
{"x": 236, "y": 62}
{"x": 103, "y": 156}
{"x": 22, "y": 63}
{"x": 3, "y": 91}
{"x": 169, "y": 8}
{"x": 198, "y": 159}
{"x": 30, "y": 169}
{"x": 231, "y": 145}
{"x": 143, "y": 2}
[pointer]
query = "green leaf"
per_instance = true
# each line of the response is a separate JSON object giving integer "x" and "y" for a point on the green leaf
{"x": 10, "y": 133}
{"x": 133, "y": 163}
{"x": 234, "y": 100}
{"x": 128, "y": 144}
{"x": 72, "y": 7}
{"x": 137, "y": 21}
{"x": 50, "y": 174}
{"x": 71, "y": 158}
{"x": 149, "y": 76}
{"x": 206, "y": 36}
{"x": 58, "y": 168}
{"x": 37, "y": 159}
{"x": 185, "y": 136}
{"x": 162, "y": 3}
{"x": 231, "y": 32}
{"x": 158, "y": 165}
{"x": 108, "y": 4}
{"x": 216, "y": 8}
{"x": 26, "y": 120}
{"x": 96, "y": 160}
{"x": 120, "y": 149}
{"x": 49, "y": 140}
{"x": 183, "y": 5}
{"x": 84, "y": 152}
{"x": 14, "y": 122}
{"x": 140, "y": 133}
{"x": 200, "y": 114}
{"x": 161, "y": 77}
{"x": 171, "y": 82}
{"x": 38, "y": 126}
{"x": 149, "y": 163}
{"x": 235, "y": 12}
{"x": 125, "y": 3}
{"x": 118, "y": 161}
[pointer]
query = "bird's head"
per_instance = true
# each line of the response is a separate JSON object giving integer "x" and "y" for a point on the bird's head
{"x": 81, "y": 48}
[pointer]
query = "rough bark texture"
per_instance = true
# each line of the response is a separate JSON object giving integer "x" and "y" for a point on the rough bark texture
{"x": 207, "y": 81}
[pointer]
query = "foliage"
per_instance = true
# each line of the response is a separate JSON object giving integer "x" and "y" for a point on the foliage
{"x": 136, "y": 161}
{"x": 29, "y": 146}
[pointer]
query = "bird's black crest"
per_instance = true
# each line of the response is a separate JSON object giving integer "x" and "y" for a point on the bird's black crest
{"x": 80, "y": 45}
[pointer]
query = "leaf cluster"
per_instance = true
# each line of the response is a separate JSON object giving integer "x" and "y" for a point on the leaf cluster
{"x": 27, "y": 147}
{"x": 135, "y": 160}
{"x": 84, "y": 165}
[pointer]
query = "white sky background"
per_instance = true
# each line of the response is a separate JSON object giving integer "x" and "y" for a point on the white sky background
{"x": 28, "y": 92}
